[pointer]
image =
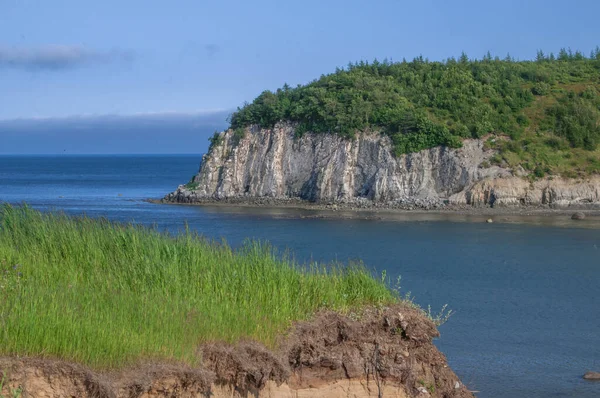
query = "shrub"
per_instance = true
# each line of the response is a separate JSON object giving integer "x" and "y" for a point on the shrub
{"x": 539, "y": 172}
{"x": 541, "y": 88}
{"x": 215, "y": 140}
{"x": 238, "y": 134}
{"x": 577, "y": 120}
{"x": 556, "y": 143}
{"x": 192, "y": 185}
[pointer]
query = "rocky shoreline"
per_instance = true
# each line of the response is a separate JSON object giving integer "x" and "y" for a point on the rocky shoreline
{"x": 414, "y": 205}
{"x": 363, "y": 178}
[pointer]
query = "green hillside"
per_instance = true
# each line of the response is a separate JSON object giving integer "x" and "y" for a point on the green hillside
{"x": 543, "y": 115}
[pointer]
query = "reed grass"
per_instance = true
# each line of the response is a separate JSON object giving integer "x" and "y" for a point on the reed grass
{"x": 109, "y": 295}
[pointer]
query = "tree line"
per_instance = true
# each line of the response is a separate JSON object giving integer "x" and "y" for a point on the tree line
{"x": 421, "y": 104}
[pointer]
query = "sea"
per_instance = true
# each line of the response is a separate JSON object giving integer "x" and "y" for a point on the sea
{"x": 524, "y": 290}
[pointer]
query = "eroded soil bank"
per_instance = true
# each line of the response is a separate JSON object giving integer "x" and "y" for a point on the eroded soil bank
{"x": 379, "y": 353}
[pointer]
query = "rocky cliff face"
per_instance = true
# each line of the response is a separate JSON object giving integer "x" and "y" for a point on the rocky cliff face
{"x": 327, "y": 168}
{"x": 516, "y": 191}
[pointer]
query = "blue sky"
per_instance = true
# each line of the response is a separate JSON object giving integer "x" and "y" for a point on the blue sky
{"x": 70, "y": 59}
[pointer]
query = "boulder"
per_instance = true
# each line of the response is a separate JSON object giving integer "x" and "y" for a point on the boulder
{"x": 578, "y": 216}
{"x": 592, "y": 376}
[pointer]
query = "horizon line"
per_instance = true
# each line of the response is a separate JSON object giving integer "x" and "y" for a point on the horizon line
{"x": 105, "y": 154}
{"x": 91, "y": 116}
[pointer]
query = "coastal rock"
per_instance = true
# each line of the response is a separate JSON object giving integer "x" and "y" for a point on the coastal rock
{"x": 516, "y": 191}
{"x": 592, "y": 376}
{"x": 578, "y": 216}
{"x": 326, "y": 168}
{"x": 268, "y": 166}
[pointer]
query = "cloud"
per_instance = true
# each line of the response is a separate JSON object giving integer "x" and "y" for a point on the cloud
{"x": 215, "y": 117}
{"x": 151, "y": 132}
{"x": 55, "y": 57}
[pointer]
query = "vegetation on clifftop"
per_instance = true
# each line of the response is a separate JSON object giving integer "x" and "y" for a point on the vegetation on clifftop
{"x": 546, "y": 112}
{"x": 106, "y": 295}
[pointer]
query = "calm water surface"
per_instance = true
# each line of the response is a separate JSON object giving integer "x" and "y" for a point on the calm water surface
{"x": 526, "y": 292}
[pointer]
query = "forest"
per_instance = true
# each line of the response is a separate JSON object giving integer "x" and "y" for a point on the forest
{"x": 542, "y": 115}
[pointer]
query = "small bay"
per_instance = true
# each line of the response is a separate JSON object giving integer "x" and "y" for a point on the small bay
{"x": 525, "y": 290}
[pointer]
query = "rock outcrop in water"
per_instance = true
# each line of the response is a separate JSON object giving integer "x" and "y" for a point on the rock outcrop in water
{"x": 362, "y": 172}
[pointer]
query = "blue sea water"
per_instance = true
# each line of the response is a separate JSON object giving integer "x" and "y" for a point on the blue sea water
{"x": 525, "y": 290}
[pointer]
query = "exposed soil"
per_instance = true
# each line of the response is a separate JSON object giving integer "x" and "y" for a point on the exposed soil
{"x": 379, "y": 353}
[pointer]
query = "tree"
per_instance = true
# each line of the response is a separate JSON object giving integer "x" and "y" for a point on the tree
{"x": 563, "y": 55}
{"x": 540, "y": 57}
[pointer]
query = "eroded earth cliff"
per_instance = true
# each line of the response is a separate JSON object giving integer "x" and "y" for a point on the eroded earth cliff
{"x": 385, "y": 352}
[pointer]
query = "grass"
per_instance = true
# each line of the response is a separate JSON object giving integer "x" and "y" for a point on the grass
{"x": 109, "y": 295}
{"x": 13, "y": 392}
{"x": 192, "y": 185}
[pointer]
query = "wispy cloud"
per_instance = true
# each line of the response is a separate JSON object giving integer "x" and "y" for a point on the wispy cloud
{"x": 148, "y": 132}
{"x": 159, "y": 115}
{"x": 204, "y": 118}
{"x": 54, "y": 57}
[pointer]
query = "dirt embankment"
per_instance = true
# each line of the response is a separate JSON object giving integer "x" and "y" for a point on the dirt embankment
{"x": 383, "y": 353}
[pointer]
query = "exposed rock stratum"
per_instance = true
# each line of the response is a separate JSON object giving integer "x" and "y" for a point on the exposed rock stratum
{"x": 326, "y": 168}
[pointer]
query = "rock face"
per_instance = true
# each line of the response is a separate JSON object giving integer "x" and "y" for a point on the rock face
{"x": 515, "y": 191}
{"x": 325, "y": 168}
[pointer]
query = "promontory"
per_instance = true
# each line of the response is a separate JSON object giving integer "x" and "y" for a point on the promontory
{"x": 419, "y": 134}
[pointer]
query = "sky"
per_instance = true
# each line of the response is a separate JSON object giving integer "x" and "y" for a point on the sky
{"x": 117, "y": 67}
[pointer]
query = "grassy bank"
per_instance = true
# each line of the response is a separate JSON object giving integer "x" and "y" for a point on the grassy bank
{"x": 107, "y": 295}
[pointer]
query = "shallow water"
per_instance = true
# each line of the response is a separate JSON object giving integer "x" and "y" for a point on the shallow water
{"x": 525, "y": 290}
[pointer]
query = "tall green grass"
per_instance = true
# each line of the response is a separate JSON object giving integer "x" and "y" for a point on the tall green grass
{"x": 108, "y": 295}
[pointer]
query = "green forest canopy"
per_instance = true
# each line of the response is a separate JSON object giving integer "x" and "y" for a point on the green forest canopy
{"x": 546, "y": 111}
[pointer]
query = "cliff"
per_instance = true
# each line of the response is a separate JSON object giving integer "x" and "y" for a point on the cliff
{"x": 326, "y": 168}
